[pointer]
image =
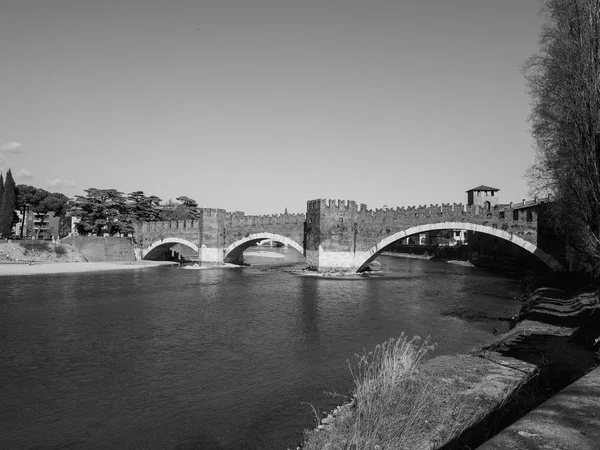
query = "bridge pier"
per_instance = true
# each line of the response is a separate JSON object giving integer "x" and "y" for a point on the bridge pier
{"x": 330, "y": 261}
{"x": 210, "y": 255}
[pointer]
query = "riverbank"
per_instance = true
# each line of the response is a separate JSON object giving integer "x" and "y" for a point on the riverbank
{"x": 461, "y": 401}
{"x": 264, "y": 254}
{"x": 429, "y": 257}
{"x": 11, "y": 268}
{"x": 406, "y": 255}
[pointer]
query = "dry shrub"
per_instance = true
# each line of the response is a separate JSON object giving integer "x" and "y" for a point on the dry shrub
{"x": 60, "y": 249}
{"x": 397, "y": 406}
{"x": 34, "y": 247}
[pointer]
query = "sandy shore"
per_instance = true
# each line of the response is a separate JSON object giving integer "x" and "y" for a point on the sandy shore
{"x": 73, "y": 267}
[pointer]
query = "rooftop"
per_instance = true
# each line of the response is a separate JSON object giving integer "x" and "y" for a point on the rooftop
{"x": 483, "y": 188}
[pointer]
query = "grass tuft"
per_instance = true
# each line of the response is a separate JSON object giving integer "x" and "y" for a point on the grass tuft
{"x": 396, "y": 406}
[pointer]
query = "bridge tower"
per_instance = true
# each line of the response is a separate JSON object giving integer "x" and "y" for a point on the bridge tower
{"x": 332, "y": 234}
{"x": 212, "y": 234}
{"x": 485, "y": 197}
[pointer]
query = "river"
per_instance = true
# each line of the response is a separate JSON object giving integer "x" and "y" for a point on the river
{"x": 221, "y": 358}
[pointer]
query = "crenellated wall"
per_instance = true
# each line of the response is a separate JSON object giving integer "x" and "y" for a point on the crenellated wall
{"x": 216, "y": 229}
{"x": 341, "y": 234}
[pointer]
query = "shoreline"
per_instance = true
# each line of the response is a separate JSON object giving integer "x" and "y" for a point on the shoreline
{"x": 406, "y": 255}
{"x": 43, "y": 268}
{"x": 524, "y": 367}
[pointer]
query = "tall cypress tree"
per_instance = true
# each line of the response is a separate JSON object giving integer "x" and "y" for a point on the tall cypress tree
{"x": 9, "y": 203}
{"x": 1, "y": 195}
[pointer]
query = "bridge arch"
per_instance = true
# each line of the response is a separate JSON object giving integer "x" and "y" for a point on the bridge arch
{"x": 170, "y": 240}
{"x": 233, "y": 253}
{"x": 372, "y": 253}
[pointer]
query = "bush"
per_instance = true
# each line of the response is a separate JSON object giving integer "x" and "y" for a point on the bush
{"x": 392, "y": 402}
{"x": 396, "y": 406}
{"x": 60, "y": 249}
{"x": 32, "y": 246}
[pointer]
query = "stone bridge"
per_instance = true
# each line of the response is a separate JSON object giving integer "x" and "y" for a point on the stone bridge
{"x": 219, "y": 236}
{"x": 342, "y": 235}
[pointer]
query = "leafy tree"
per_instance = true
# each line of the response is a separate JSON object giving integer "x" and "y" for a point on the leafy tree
{"x": 185, "y": 210}
{"x": 187, "y": 202}
{"x": 53, "y": 202}
{"x": 41, "y": 202}
{"x": 28, "y": 199}
{"x": 564, "y": 84}
{"x": 8, "y": 217}
{"x": 100, "y": 211}
{"x": 142, "y": 207}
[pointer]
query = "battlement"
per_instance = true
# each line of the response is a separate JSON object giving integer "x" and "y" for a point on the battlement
{"x": 528, "y": 203}
{"x": 347, "y": 206}
{"x": 335, "y": 205}
{"x": 451, "y": 211}
{"x": 211, "y": 212}
{"x": 171, "y": 224}
{"x": 239, "y": 218}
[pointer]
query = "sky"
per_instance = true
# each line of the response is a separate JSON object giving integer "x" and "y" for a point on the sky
{"x": 261, "y": 105}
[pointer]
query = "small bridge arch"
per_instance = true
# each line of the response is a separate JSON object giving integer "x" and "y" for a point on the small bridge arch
{"x": 233, "y": 253}
{"x": 169, "y": 240}
{"x": 373, "y": 252}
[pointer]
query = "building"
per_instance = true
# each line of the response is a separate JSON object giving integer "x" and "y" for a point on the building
{"x": 37, "y": 226}
{"x": 483, "y": 196}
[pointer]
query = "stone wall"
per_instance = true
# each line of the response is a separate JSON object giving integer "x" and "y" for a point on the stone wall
{"x": 346, "y": 226}
{"x": 100, "y": 249}
{"x": 146, "y": 233}
{"x": 239, "y": 226}
{"x": 342, "y": 232}
{"x": 215, "y": 230}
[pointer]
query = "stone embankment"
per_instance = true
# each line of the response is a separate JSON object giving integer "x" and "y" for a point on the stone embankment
{"x": 554, "y": 342}
{"x": 38, "y": 251}
{"x": 47, "y": 257}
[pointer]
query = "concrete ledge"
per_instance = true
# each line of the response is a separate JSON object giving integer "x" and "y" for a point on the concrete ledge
{"x": 569, "y": 420}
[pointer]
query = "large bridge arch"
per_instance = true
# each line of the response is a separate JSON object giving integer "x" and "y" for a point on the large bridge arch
{"x": 233, "y": 253}
{"x": 373, "y": 252}
{"x": 169, "y": 240}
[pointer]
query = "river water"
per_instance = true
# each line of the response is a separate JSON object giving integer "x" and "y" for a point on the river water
{"x": 169, "y": 358}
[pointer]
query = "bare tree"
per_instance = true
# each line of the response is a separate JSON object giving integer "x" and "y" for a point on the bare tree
{"x": 564, "y": 84}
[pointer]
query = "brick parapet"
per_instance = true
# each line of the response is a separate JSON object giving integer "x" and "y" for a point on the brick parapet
{"x": 217, "y": 228}
{"x": 344, "y": 225}
{"x": 340, "y": 225}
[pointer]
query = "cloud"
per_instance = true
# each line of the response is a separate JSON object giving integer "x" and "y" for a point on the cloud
{"x": 24, "y": 174}
{"x": 12, "y": 147}
{"x": 58, "y": 183}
